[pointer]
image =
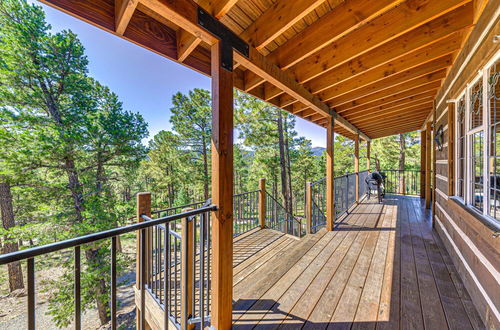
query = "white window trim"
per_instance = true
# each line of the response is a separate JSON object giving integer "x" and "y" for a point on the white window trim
{"x": 468, "y": 198}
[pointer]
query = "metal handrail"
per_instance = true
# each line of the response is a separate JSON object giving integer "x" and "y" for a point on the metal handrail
{"x": 57, "y": 246}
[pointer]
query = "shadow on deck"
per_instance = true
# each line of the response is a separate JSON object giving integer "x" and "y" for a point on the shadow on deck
{"x": 383, "y": 267}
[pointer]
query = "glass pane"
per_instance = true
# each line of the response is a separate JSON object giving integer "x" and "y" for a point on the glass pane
{"x": 493, "y": 100}
{"x": 476, "y": 105}
{"x": 477, "y": 169}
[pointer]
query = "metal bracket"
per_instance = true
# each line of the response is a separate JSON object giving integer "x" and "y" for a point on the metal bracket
{"x": 229, "y": 39}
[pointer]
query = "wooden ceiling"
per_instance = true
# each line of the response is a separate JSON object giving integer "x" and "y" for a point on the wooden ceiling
{"x": 377, "y": 64}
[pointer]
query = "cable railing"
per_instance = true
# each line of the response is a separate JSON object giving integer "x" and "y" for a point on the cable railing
{"x": 404, "y": 182}
{"x": 318, "y": 207}
{"x": 155, "y": 255}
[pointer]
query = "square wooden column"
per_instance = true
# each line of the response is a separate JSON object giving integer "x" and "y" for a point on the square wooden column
{"x": 428, "y": 164}
{"x": 330, "y": 182}
{"x": 423, "y": 155}
{"x": 356, "y": 164}
{"x": 368, "y": 148}
{"x": 222, "y": 191}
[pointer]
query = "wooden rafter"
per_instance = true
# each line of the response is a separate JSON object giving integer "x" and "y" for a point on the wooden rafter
{"x": 282, "y": 15}
{"x": 373, "y": 101}
{"x": 124, "y": 9}
{"x": 392, "y": 81}
{"x": 330, "y": 27}
{"x": 392, "y": 24}
{"x": 339, "y": 81}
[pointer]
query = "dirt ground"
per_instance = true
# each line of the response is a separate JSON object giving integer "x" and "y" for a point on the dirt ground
{"x": 13, "y": 306}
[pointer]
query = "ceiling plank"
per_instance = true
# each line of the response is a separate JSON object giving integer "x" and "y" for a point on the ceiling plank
{"x": 278, "y": 18}
{"x": 408, "y": 110}
{"x": 399, "y": 120}
{"x": 124, "y": 9}
{"x": 340, "y": 21}
{"x": 396, "y": 79}
{"x": 344, "y": 80}
{"x": 380, "y": 111}
{"x": 386, "y": 99}
{"x": 388, "y": 26}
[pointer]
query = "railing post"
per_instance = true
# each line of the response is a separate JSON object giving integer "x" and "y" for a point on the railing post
{"x": 187, "y": 255}
{"x": 143, "y": 207}
{"x": 356, "y": 165}
{"x": 368, "y": 147}
{"x": 428, "y": 165}
{"x": 308, "y": 207}
{"x": 262, "y": 203}
{"x": 330, "y": 180}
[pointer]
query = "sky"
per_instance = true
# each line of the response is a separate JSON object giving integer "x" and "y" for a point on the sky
{"x": 143, "y": 80}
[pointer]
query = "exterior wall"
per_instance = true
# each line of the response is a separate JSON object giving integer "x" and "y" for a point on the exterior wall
{"x": 473, "y": 245}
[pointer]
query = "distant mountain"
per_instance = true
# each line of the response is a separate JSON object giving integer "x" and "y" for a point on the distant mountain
{"x": 317, "y": 151}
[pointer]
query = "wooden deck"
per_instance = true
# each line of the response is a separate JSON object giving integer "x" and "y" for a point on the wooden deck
{"x": 384, "y": 267}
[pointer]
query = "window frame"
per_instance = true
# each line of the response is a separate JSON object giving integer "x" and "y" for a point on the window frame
{"x": 485, "y": 127}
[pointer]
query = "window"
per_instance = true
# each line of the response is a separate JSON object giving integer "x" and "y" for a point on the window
{"x": 478, "y": 142}
{"x": 493, "y": 99}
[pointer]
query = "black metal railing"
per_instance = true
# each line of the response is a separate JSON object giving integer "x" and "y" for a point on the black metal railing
{"x": 279, "y": 219}
{"x": 318, "y": 207}
{"x": 345, "y": 197}
{"x": 245, "y": 212}
{"x": 148, "y": 269}
{"x": 405, "y": 182}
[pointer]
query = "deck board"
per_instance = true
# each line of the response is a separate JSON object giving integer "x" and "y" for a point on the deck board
{"x": 383, "y": 267}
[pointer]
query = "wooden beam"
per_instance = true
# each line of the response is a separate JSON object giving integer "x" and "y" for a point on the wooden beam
{"x": 428, "y": 165}
{"x": 392, "y": 24}
{"x": 339, "y": 83}
{"x": 222, "y": 192}
{"x": 330, "y": 175}
{"x": 220, "y": 8}
{"x": 436, "y": 66}
{"x": 278, "y": 18}
{"x": 388, "y": 100}
{"x": 257, "y": 63}
{"x": 428, "y": 34}
{"x": 186, "y": 44}
{"x": 340, "y": 21}
{"x": 368, "y": 150}
{"x": 124, "y": 9}
{"x": 389, "y": 81}
{"x": 423, "y": 154}
{"x": 356, "y": 165}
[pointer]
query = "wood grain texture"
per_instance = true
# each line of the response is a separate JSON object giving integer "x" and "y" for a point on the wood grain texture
{"x": 330, "y": 174}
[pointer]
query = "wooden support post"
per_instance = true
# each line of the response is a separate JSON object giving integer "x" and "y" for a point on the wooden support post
{"x": 433, "y": 164}
{"x": 423, "y": 153}
{"x": 187, "y": 255}
{"x": 143, "y": 207}
{"x": 356, "y": 165}
{"x": 262, "y": 203}
{"x": 222, "y": 191}
{"x": 451, "y": 149}
{"x": 308, "y": 207}
{"x": 428, "y": 150}
{"x": 330, "y": 188}
{"x": 368, "y": 149}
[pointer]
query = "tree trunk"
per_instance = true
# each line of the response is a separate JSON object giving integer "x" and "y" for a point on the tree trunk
{"x": 74, "y": 187}
{"x": 205, "y": 168}
{"x": 402, "y": 148}
{"x": 283, "y": 166}
{"x": 95, "y": 260}
{"x": 7, "y": 210}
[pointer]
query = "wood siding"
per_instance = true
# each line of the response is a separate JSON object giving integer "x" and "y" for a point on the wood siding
{"x": 472, "y": 245}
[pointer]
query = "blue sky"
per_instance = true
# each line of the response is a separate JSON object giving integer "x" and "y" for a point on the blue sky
{"x": 144, "y": 81}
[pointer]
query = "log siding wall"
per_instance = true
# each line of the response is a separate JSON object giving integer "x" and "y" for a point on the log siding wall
{"x": 473, "y": 245}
